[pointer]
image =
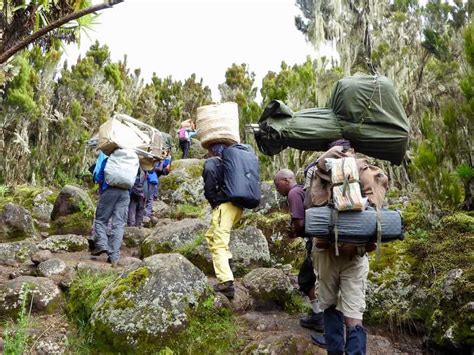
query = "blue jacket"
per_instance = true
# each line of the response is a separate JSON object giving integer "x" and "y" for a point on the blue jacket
{"x": 99, "y": 176}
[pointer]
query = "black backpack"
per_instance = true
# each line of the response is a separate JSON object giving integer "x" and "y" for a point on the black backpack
{"x": 241, "y": 176}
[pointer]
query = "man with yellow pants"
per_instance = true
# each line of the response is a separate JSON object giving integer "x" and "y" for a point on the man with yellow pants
{"x": 224, "y": 216}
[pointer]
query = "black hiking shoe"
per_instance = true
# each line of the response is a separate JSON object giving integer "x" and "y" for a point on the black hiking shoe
{"x": 91, "y": 243}
{"x": 320, "y": 341}
{"x": 313, "y": 321}
{"x": 226, "y": 288}
{"x": 98, "y": 251}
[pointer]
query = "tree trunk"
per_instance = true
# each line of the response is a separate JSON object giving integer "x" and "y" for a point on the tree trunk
{"x": 4, "y": 56}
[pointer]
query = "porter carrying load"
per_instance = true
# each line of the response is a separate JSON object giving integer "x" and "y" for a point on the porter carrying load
{"x": 364, "y": 109}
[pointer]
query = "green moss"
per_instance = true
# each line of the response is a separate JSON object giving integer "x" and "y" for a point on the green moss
{"x": 461, "y": 222}
{"x": 76, "y": 223}
{"x": 296, "y": 304}
{"x": 209, "y": 331}
{"x": 23, "y": 195}
{"x": 170, "y": 183}
{"x": 195, "y": 171}
{"x": 84, "y": 293}
{"x": 411, "y": 286}
{"x": 187, "y": 249}
{"x": 119, "y": 296}
{"x": 186, "y": 211}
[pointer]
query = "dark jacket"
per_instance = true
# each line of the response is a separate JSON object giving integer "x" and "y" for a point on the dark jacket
{"x": 213, "y": 175}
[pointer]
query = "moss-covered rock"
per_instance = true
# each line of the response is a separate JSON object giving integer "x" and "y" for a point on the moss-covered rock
{"x": 148, "y": 305}
{"x": 78, "y": 223}
{"x": 17, "y": 251}
{"x": 172, "y": 237}
{"x": 16, "y": 223}
{"x": 45, "y": 295}
{"x": 427, "y": 281}
{"x": 134, "y": 236}
{"x": 71, "y": 200}
{"x": 69, "y": 242}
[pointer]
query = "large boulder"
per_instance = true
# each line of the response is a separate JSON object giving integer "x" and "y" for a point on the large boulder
{"x": 68, "y": 242}
{"x": 248, "y": 246}
{"x": 149, "y": 304}
{"x": 269, "y": 286}
{"x": 70, "y": 200}
{"x": 45, "y": 294}
{"x": 173, "y": 236}
{"x": 16, "y": 223}
{"x": 16, "y": 251}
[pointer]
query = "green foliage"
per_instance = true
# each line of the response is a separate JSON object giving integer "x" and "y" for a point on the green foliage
{"x": 210, "y": 331}
{"x": 15, "y": 340}
{"x": 80, "y": 301}
{"x": 186, "y": 211}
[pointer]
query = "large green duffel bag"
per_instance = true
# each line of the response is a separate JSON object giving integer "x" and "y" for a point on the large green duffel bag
{"x": 364, "y": 109}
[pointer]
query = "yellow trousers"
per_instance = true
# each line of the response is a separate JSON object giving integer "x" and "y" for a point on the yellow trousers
{"x": 224, "y": 218}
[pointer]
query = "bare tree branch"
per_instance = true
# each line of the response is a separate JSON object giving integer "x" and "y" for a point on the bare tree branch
{"x": 58, "y": 23}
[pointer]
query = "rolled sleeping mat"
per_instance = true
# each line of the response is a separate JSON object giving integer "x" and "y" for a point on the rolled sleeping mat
{"x": 353, "y": 227}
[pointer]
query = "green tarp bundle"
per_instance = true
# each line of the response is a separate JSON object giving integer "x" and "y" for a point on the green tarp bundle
{"x": 364, "y": 109}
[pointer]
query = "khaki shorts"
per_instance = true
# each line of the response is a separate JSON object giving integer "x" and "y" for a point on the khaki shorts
{"x": 342, "y": 281}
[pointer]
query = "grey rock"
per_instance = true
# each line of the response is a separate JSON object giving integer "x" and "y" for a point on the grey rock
{"x": 42, "y": 208}
{"x": 70, "y": 200}
{"x": 128, "y": 261}
{"x": 450, "y": 283}
{"x": 66, "y": 280}
{"x": 267, "y": 286}
{"x": 67, "y": 242}
{"x": 52, "y": 267}
{"x": 16, "y": 223}
{"x": 149, "y": 303}
{"x": 283, "y": 344}
{"x": 45, "y": 294}
{"x": 248, "y": 246}
{"x": 242, "y": 300}
{"x": 92, "y": 267}
{"x": 16, "y": 251}
{"x": 189, "y": 192}
{"x": 133, "y": 236}
{"x": 174, "y": 236}
{"x": 270, "y": 201}
{"x": 41, "y": 255}
{"x": 159, "y": 208}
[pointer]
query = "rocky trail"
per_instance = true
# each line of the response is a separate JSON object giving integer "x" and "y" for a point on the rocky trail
{"x": 162, "y": 278}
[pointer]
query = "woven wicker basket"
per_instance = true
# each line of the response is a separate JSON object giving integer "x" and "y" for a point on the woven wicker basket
{"x": 218, "y": 124}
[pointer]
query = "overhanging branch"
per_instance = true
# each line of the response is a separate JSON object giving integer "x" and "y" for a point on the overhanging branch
{"x": 58, "y": 23}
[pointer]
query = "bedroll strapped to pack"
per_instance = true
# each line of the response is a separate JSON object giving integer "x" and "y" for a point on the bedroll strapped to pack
{"x": 353, "y": 227}
{"x": 241, "y": 176}
{"x": 363, "y": 109}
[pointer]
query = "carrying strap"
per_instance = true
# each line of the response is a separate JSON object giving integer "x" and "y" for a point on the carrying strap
{"x": 334, "y": 217}
{"x": 379, "y": 231}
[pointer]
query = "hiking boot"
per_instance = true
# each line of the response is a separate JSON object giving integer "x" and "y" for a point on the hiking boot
{"x": 114, "y": 263}
{"x": 313, "y": 321}
{"x": 319, "y": 340}
{"x": 98, "y": 251}
{"x": 91, "y": 243}
{"x": 226, "y": 288}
